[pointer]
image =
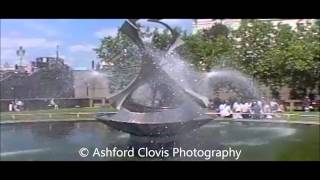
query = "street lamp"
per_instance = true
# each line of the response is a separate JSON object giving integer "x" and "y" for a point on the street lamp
{"x": 14, "y": 93}
{"x": 87, "y": 86}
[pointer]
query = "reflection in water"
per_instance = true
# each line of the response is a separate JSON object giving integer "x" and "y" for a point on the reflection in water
{"x": 61, "y": 141}
{"x": 258, "y": 135}
{"x": 30, "y": 151}
{"x": 53, "y": 130}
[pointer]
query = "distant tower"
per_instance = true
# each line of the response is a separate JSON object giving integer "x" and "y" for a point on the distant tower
{"x": 21, "y": 52}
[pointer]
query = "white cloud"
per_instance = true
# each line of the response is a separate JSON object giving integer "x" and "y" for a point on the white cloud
{"x": 33, "y": 46}
{"x": 82, "y": 48}
{"x": 10, "y": 56}
{"x": 106, "y": 32}
{"x": 15, "y": 42}
{"x": 36, "y": 25}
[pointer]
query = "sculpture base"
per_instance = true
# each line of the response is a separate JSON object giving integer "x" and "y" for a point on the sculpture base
{"x": 141, "y": 124}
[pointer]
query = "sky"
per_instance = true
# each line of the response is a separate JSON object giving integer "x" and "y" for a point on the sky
{"x": 76, "y": 38}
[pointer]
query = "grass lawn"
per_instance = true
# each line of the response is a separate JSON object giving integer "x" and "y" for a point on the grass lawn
{"x": 65, "y": 113}
{"x": 307, "y": 113}
{"x": 89, "y": 113}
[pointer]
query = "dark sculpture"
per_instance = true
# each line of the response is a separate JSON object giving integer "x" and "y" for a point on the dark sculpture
{"x": 169, "y": 109}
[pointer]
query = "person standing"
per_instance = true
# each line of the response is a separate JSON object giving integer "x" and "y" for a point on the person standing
{"x": 221, "y": 107}
{"x": 256, "y": 110}
{"x": 274, "y": 105}
{"x": 211, "y": 104}
{"x": 306, "y": 104}
{"x": 10, "y": 106}
{"x": 267, "y": 110}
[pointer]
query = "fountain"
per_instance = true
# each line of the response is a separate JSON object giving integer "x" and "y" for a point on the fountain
{"x": 155, "y": 104}
{"x": 231, "y": 79}
{"x": 165, "y": 101}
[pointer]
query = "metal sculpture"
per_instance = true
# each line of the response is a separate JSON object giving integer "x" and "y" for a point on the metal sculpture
{"x": 172, "y": 109}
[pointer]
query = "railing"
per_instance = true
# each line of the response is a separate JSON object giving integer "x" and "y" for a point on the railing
{"x": 79, "y": 116}
{"x": 14, "y": 116}
{"x": 272, "y": 114}
{"x": 76, "y": 115}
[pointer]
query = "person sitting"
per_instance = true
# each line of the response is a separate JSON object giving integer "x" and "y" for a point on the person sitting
{"x": 16, "y": 107}
{"x": 246, "y": 110}
{"x": 221, "y": 107}
{"x": 267, "y": 111}
{"x": 53, "y": 104}
{"x": 237, "y": 109}
{"x": 280, "y": 108}
{"x": 226, "y": 112}
{"x": 19, "y": 105}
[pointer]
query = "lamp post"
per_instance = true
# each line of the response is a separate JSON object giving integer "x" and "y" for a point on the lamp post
{"x": 87, "y": 86}
{"x": 57, "y": 52}
{"x": 14, "y": 93}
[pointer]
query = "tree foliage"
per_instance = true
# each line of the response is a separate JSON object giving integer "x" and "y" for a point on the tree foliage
{"x": 273, "y": 54}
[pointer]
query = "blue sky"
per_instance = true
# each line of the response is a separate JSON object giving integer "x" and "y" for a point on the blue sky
{"x": 75, "y": 37}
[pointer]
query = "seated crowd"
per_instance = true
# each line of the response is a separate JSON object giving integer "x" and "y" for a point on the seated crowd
{"x": 239, "y": 109}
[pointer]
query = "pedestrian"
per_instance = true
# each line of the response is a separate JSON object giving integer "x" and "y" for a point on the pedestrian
{"x": 10, "y": 106}
{"x": 306, "y": 104}
{"x": 256, "y": 110}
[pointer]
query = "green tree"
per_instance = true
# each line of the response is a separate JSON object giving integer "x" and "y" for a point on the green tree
{"x": 209, "y": 48}
{"x": 303, "y": 60}
{"x": 279, "y": 55}
{"x": 252, "y": 41}
{"x": 215, "y": 31}
{"x": 162, "y": 39}
{"x": 275, "y": 55}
